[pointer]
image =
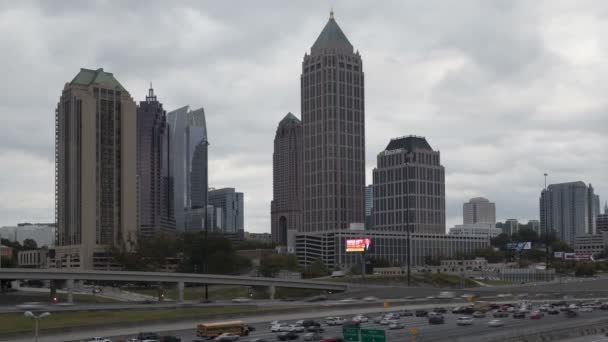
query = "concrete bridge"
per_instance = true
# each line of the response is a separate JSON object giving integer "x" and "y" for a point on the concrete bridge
{"x": 179, "y": 278}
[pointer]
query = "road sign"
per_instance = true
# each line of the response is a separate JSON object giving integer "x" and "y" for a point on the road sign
{"x": 350, "y": 334}
{"x": 413, "y": 330}
{"x": 373, "y": 335}
{"x": 469, "y": 299}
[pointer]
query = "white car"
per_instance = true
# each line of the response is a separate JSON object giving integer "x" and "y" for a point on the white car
{"x": 464, "y": 320}
{"x": 99, "y": 339}
{"x": 585, "y": 309}
{"x": 378, "y": 319}
{"x": 496, "y": 323}
{"x": 227, "y": 337}
{"x": 370, "y": 299}
{"x": 278, "y": 327}
{"x": 241, "y": 300}
{"x": 300, "y": 322}
{"x": 295, "y": 328}
{"x": 275, "y": 323}
{"x": 360, "y": 319}
{"x": 335, "y": 321}
{"x": 395, "y": 325}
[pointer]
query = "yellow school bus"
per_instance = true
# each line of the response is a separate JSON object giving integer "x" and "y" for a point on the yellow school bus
{"x": 217, "y": 328}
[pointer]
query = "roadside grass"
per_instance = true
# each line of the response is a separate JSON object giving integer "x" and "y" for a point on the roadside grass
{"x": 82, "y": 298}
{"x": 17, "y": 322}
{"x": 229, "y": 292}
{"x": 439, "y": 280}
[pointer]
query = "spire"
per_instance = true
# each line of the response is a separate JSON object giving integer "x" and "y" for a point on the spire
{"x": 151, "y": 97}
{"x": 331, "y": 14}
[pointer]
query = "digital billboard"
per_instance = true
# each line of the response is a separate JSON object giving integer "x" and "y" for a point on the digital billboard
{"x": 358, "y": 245}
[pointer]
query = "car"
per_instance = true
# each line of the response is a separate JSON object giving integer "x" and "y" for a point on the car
{"x": 406, "y": 313}
{"x": 227, "y": 337}
{"x": 314, "y": 328}
{"x": 495, "y": 323}
{"x": 440, "y": 310}
{"x": 132, "y": 340}
{"x": 99, "y": 339}
{"x": 278, "y": 327}
{"x": 519, "y": 314}
{"x": 241, "y": 300}
{"x": 287, "y": 336}
{"x": 570, "y": 313}
{"x": 309, "y": 323}
{"x": 604, "y": 306}
{"x": 378, "y": 319}
{"x": 312, "y": 336}
{"x": 336, "y": 321}
{"x": 479, "y": 314}
{"x": 332, "y": 339}
{"x": 437, "y": 319}
{"x": 585, "y": 309}
{"x": 395, "y": 325}
{"x": 553, "y": 312}
{"x": 170, "y": 339}
{"x": 464, "y": 320}
{"x": 275, "y": 323}
{"x": 258, "y": 340}
{"x": 147, "y": 336}
{"x": 360, "y": 319}
{"x": 536, "y": 315}
{"x": 295, "y": 328}
{"x": 370, "y": 299}
{"x": 500, "y": 314}
{"x": 421, "y": 313}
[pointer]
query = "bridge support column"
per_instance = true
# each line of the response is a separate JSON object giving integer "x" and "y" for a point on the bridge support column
{"x": 70, "y": 287}
{"x": 272, "y": 289}
{"x": 180, "y": 291}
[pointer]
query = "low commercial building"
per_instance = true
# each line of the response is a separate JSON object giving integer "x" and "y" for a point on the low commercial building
{"x": 330, "y": 247}
{"x": 35, "y": 258}
{"x": 6, "y": 252}
{"x": 594, "y": 244}
{"x": 477, "y": 264}
{"x": 476, "y": 229}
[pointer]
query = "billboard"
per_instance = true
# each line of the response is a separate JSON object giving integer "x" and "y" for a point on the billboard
{"x": 358, "y": 245}
{"x": 569, "y": 256}
{"x": 558, "y": 255}
{"x": 519, "y": 246}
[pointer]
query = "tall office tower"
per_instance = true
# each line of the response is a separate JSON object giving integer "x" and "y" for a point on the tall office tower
{"x": 286, "y": 205}
{"x": 189, "y": 152}
{"x": 232, "y": 209}
{"x": 409, "y": 187}
{"x": 510, "y": 227}
{"x": 594, "y": 209}
{"x": 369, "y": 207}
{"x": 333, "y": 118}
{"x": 479, "y": 210}
{"x": 95, "y": 170}
{"x": 565, "y": 210}
{"x": 601, "y": 221}
{"x": 154, "y": 164}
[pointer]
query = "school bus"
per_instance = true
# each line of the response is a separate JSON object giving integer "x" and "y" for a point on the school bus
{"x": 217, "y": 328}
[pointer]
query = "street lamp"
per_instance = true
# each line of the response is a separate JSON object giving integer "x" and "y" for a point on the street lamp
{"x": 36, "y": 318}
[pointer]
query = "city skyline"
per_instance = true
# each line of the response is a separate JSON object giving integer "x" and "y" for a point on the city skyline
{"x": 469, "y": 100}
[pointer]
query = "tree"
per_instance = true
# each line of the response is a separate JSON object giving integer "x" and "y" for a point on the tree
{"x": 490, "y": 254}
{"x": 560, "y": 246}
{"x": 584, "y": 270}
{"x": 316, "y": 269}
{"x": 29, "y": 244}
{"x": 271, "y": 265}
{"x": 525, "y": 235}
{"x": 500, "y": 241}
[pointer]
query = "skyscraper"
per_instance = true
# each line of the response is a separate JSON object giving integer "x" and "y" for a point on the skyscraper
{"x": 409, "y": 187}
{"x": 602, "y": 220}
{"x": 369, "y": 207}
{"x": 286, "y": 205}
{"x": 189, "y": 148}
{"x": 479, "y": 210}
{"x": 567, "y": 209}
{"x": 154, "y": 168}
{"x": 95, "y": 170}
{"x": 333, "y": 117}
{"x": 231, "y": 216}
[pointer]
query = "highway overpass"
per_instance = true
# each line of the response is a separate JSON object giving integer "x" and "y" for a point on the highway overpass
{"x": 179, "y": 278}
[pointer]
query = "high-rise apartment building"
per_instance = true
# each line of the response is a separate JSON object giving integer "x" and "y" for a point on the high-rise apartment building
{"x": 369, "y": 207}
{"x": 189, "y": 152}
{"x": 154, "y": 168}
{"x": 568, "y": 209}
{"x": 601, "y": 222}
{"x": 333, "y": 117}
{"x": 232, "y": 208}
{"x": 95, "y": 171}
{"x": 479, "y": 210}
{"x": 286, "y": 205}
{"x": 409, "y": 187}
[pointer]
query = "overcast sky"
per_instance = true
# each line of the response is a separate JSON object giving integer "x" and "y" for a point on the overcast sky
{"x": 506, "y": 90}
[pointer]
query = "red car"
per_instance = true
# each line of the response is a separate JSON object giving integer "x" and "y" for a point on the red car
{"x": 536, "y": 315}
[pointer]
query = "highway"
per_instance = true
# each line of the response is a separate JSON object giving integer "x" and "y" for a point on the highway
{"x": 425, "y": 332}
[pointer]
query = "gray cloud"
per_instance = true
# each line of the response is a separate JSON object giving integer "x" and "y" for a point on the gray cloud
{"x": 507, "y": 90}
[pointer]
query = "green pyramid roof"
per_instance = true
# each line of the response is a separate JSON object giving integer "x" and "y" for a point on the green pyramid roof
{"x": 332, "y": 37}
{"x": 87, "y": 77}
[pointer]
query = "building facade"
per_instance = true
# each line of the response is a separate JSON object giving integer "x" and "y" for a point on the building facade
{"x": 369, "y": 207}
{"x": 154, "y": 169}
{"x": 569, "y": 210}
{"x": 189, "y": 147}
{"x": 330, "y": 247}
{"x": 333, "y": 118}
{"x": 286, "y": 205}
{"x": 95, "y": 170}
{"x": 601, "y": 222}
{"x": 479, "y": 210}
{"x": 409, "y": 187}
{"x": 535, "y": 226}
{"x": 232, "y": 208}
{"x": 510, "y": 227}
{"x": 593, "y": 244}
{"x": 477, "y": 229}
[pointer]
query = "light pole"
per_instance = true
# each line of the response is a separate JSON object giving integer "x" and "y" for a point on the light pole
{"x": 545, "y": 201}
{"x": 36, "y": 319}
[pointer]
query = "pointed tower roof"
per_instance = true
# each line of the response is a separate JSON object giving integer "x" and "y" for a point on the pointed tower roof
{"x": 289, "y": 118}
{"x": 87, "y": 77}
{"x": 332, "y": 37}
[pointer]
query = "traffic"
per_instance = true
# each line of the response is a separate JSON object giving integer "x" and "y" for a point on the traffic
{"x": 433, "y": 324}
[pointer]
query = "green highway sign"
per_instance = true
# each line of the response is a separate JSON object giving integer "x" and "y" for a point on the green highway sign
{"x": 373, "y": 335}
{"x": 350, "y": 334}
